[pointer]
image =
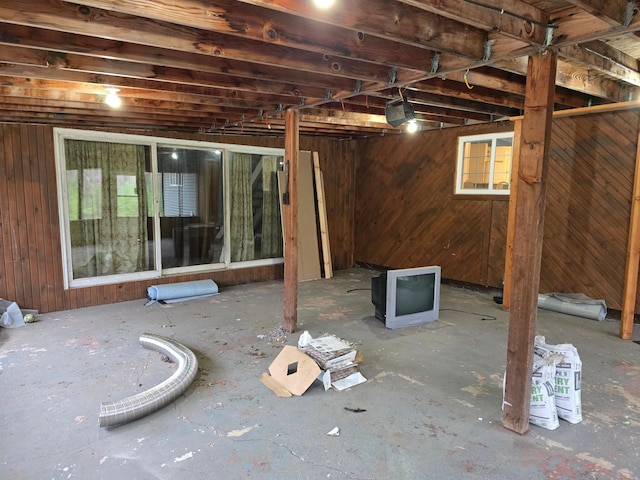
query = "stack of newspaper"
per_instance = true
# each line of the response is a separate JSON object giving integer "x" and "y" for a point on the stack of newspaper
{"x": 337, "y": 359}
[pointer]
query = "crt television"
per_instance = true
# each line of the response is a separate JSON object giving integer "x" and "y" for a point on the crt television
{"x": 406, "y": 297}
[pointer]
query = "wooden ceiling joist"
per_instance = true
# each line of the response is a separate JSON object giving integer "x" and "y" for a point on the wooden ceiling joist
{"x": 460, "y": 61}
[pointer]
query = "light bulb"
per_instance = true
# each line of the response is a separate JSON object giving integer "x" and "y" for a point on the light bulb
{"x": 323, "y": 3}
{"x": 113, "y": 100}
{"x": 412, "y": 126}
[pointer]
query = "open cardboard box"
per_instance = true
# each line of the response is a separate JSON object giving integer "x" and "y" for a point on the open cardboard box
{"x": 291, "y": 373}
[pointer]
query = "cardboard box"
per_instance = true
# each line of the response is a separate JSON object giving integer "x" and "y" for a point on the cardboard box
{"x": 291, "y": 373}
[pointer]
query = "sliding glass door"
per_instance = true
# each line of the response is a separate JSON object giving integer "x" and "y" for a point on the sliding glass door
{"x": 191, "y": 206}
{"x": 107, "y": 208}
{"x": 138, "y": 207}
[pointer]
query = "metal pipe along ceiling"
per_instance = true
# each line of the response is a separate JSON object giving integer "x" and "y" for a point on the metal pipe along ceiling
{"x": 144, "y": 403}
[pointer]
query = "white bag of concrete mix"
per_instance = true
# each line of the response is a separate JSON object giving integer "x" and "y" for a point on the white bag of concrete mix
{"x": 542, "y": 408}
{"x": 568, "y": 393}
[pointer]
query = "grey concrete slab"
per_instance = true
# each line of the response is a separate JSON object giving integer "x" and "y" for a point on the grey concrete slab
{"x": 432, "y": 399}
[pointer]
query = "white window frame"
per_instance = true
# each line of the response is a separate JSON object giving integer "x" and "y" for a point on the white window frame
{"x": 61, "y": 134}
{"x": 490, "y": 190}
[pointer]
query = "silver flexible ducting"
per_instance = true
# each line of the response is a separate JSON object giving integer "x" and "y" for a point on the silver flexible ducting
{"x": 144, "y": 403}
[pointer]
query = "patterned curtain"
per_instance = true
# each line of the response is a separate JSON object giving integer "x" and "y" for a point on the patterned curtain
{"x": 106, "y": 240}
{"x": 271, "y": 224}
{"x": 242, "y": 236}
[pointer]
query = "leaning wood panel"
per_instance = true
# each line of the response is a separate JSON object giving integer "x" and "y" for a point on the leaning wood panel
{"x": 307, "y": 230}
{"x": 322, "y": 216}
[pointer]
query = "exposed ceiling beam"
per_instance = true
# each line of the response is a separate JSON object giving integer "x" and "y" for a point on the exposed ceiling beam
{"x": 392, "y": 20}
{"x": 599, "y": 63}
{"x": 614, "y": 12}
{"x": 513, "y": 18}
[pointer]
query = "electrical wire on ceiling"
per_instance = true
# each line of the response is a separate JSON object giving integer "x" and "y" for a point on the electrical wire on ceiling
{"x": 466, "y": 80}
{"x": 506, "y": 12}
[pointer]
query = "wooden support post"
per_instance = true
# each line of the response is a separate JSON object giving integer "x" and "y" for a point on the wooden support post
{"x": 527, "y": 244}
{"x": 633, "y": 257}
{"x": 511, "y": 227}
{"x": 290, "y": 214}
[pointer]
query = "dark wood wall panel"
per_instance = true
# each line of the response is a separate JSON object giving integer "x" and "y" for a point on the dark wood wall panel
{"x": 390, "y": 202}
{"x": 497, "y": 243}
{"x": 30, "y": 245}
{"x": 29, "y": 219}
{"x": 591, "y": 169}
{"x": 407, "y": 214}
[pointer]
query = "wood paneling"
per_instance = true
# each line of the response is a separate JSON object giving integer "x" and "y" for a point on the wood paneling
{"x": 389, "y": 202}
{"x": 591, "y": 169}
{"x": 407, "y": 214}
{"x": 30, "y": 245}
{"x": 29, "y": 220}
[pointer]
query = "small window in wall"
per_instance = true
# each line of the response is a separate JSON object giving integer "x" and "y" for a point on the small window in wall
{"x": 484, "y": 164}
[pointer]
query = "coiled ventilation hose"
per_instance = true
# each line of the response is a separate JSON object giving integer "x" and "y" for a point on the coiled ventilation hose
{"x": 144, "y": 403}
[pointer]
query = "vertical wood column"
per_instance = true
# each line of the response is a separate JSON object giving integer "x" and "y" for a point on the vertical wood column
{"x": 290, "y": 213}
{"x": 633, "y": 257}
{"x": 513, "y": 199}
{"x": 528, "y": 234}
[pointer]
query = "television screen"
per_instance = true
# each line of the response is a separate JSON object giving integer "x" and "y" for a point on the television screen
{"x": 408, "y": 296}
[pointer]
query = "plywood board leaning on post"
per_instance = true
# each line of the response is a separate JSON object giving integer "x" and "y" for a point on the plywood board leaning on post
{"x": 322, "y": 215}
{"x": 308, "y": 250}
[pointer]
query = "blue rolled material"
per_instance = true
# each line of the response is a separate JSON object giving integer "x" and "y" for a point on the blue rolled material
{"x": 181, "y": 291}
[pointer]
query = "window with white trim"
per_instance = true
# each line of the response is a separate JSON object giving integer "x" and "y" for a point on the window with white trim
{"x": 484, "y": 164}
{"x": 135, "y": 207}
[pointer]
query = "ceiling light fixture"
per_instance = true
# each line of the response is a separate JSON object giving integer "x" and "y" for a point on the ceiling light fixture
{"x": 323, "y": 3}
{"x": 412, "y": 126}
{"x": 113, "y": 100}
{"x": 399, "y": 111}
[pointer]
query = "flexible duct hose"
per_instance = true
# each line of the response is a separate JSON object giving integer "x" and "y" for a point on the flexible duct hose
{"x": 144, "y": 403}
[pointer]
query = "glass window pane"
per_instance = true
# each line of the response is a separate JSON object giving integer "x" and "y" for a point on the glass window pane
{"x": 73, "y": 196}
{"x": 256, "y": 227}
{"x": 127, "y": 196}
{"x": 191, "y": 206}
{"x": 502, "y": 163}
{"x": 476, "y": 164}
{"x": 109, "y": 232}
{"x": 484, "y": 164}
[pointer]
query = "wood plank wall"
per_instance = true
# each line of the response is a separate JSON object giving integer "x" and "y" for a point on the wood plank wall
{"x": 30, "y": 250}
{"x": 591, "y": 169}
{"x": 401, "y": 212}
{"x": 407, "y": 215}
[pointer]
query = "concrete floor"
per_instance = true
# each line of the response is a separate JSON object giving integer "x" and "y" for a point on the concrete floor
{"x": 432, "y": 399}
